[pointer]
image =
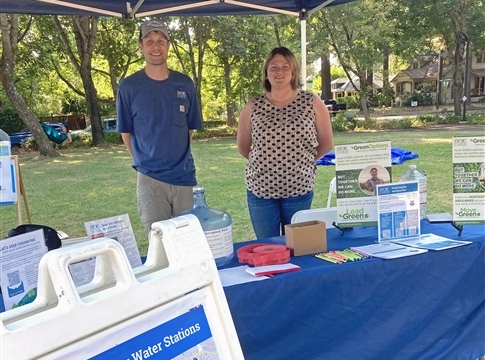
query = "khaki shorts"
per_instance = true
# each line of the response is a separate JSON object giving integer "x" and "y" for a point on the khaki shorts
{"x": 158, "y": 200}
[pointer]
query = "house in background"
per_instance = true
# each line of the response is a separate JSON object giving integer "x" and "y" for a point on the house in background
{"x": 425, "y": 69}
{"x": 342, "y": 87}
{"x": 477, "y": 83}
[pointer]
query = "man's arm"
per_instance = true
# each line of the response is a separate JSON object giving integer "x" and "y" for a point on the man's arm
{"x": 126, "y": 140}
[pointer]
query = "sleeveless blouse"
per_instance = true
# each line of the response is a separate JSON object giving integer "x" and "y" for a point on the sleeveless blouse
{"x": 282, "y": 158}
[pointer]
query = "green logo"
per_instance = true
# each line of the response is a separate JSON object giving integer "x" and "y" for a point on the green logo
{"x": 467, "y": 213}
{"x": 356, "y": 214}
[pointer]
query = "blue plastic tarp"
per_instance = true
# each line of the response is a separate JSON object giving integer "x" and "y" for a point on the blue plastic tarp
{"x": 398, "y": 156}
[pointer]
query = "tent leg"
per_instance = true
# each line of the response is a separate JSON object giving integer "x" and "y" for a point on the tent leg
{"x": 303, "y": 53}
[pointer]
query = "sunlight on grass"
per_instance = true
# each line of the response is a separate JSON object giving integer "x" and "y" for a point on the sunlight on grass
{"x": 438, "y": 141}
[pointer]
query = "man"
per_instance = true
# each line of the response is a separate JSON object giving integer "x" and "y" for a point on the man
{"x": 371, "y": 183}
{"x": 157, "y": 110}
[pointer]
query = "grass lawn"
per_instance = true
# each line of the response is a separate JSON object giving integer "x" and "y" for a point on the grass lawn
{"x": 89, "y": 184}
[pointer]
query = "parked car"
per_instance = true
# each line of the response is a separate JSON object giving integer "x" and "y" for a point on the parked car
{"x": 333, "y": 107}
{"x": 109, "y": 125}
{"x": 17, "y": 138}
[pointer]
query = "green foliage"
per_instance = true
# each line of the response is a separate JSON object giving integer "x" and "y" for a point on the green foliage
{"x": 353, "y": 102}
{"x": 215, "y": 129}
{"x": 74, "y": 105}
{"x": 10, "y": 121}
{"x": 343, "y": 121}
{"x": 384, "y": 98}
{"x": 423, "y": 94}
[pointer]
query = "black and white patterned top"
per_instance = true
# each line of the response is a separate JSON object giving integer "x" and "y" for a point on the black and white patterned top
{"x": 282, "y": 158}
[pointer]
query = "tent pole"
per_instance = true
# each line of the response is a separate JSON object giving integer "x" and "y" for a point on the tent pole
{"x": 303, "y": 53}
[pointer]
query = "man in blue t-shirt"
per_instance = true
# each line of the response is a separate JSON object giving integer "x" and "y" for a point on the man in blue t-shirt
{"x": 157, "y": 111}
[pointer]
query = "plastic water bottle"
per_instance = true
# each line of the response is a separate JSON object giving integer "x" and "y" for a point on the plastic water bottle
{"x": 217, "y": 226}
{"x": 414, "y": 174}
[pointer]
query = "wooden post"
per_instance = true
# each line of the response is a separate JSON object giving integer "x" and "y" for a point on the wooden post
{"x": 20, "y": 189}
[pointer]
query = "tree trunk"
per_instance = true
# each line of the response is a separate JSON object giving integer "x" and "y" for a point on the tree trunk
{"x": 385, "y": 67}
{"x": 85, "y": 30}
{"x": 458, "y": 78}
{"x": 230, "y": 105}
{"x": 326, "y": 77}
{"x": 7, "y": 68}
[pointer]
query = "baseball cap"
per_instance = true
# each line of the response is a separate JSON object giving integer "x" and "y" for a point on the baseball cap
{"x": 153, "y": 25}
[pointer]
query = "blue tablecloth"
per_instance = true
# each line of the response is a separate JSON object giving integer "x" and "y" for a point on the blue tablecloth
{"x": 429, "y": 306}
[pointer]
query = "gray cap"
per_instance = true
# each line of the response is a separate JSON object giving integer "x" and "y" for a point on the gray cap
{"x": 153, "y": 25}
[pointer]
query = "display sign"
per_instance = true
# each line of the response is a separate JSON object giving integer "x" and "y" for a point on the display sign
{"x": 398, "y": 208}
{"x": 19, "y": 263}
{"x": 7, "y": 183}
{"x": 117, "y": 228}
{"x": 469, "y": 180}
{"x": 359, "y": 169}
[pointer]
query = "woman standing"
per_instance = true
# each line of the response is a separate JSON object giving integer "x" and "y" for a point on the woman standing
{"x": 282, "y": 133}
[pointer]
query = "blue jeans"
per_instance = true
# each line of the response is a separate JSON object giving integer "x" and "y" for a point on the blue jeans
{"x": 269, "y": 216}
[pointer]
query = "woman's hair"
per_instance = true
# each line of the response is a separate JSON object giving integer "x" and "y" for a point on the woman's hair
{"x": 294, "y": 65}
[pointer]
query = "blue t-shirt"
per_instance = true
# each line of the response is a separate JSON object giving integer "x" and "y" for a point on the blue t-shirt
{"x": 158, "y": 115}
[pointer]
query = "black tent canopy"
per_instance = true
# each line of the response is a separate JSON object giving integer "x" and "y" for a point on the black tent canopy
{"x": 143, "y": 8}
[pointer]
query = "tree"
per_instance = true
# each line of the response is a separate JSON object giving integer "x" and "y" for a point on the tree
{"x": 358, "y": 34}
{"x": 9, "y": 25}
{"x": 235, "y": 54}
{"x": 80, "y": 54}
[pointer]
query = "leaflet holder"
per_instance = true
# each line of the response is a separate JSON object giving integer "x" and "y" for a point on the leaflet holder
{"x": 123, "y": 312}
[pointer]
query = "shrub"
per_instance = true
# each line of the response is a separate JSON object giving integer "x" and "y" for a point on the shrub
{"x": 343, "y": 121}
{"x": 10, "y": 121}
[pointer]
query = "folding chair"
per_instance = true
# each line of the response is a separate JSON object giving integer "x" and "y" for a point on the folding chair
{"x": 327, "y": 215}
{"x": 332, "y": 189}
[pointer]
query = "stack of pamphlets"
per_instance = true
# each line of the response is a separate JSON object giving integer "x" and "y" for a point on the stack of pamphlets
{"x": 409, "y": 246}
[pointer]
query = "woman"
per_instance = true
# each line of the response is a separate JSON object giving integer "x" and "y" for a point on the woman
{"x": 282, "y": 133}
{"x": 65, "y": 130}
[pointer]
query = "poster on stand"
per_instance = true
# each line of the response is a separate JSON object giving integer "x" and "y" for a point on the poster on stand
{"x": 469, "y": 180}
{"x": 359, "y": 169}
{"x": 117, "y": 228}
{"x": 7, "y": 186}
{"x": 398, "y": 211}
{"x": 19, "y": 267}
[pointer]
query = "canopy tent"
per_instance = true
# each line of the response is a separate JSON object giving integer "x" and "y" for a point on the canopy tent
{"x": 125, "y": 9}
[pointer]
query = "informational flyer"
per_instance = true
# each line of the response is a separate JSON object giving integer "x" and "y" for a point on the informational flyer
{"x": 469, "y": 180}
{"x": 117, "y": 228}
{"x": 432, "y": 242}
{"x": 398, "y": 210}
{"x": 359, "y": 169}
{"x": 19, "y": 267}
{"x": 6, "y": 180}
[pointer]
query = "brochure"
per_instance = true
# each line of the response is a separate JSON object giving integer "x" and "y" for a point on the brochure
{"x": 117, "y": 228}
{"x": 359, "y": 169}
{"x": 398, "y": 210}
{"x": 19, "y": 267}
{"x": 388, "y": 250}
{"x": 432, "y": 242}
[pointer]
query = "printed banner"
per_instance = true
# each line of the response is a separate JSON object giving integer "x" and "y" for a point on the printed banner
{"x": 469, "y": 180}
{"x": 359, "y": 169}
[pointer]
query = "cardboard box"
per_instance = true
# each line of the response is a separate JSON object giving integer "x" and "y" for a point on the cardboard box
{"x": 307, "y": 237}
